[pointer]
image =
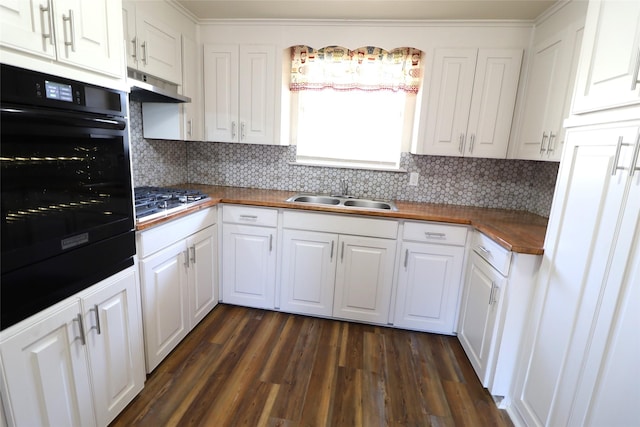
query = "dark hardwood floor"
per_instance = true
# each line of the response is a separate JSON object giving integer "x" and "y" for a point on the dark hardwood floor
{"x": 248, "y": 367}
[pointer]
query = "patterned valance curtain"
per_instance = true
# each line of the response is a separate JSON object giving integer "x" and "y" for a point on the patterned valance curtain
{"x": 368, "y": 68}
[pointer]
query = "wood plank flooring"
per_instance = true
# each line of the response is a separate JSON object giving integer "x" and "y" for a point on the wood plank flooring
{"x": 249, "y": 367}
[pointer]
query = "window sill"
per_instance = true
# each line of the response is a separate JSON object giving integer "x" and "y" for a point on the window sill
{"x": 348, "y": 166}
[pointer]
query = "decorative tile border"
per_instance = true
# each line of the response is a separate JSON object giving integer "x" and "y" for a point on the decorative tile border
{"x": 495, "y": 183}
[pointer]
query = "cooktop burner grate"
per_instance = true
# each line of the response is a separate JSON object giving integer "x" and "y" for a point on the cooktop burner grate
{"x": 151, "y": 202}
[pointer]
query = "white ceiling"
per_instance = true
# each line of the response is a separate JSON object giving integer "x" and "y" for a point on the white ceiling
{"x": 371, "y": 9}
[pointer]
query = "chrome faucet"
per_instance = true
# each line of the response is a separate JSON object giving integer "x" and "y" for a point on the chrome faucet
{"x": 344, "y": 189}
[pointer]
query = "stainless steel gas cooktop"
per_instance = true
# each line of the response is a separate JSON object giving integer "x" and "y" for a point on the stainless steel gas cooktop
{"x": 154, "y": 202}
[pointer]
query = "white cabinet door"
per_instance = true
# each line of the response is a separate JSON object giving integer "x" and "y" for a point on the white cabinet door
{"x": 363, "y": 279}
{"x": 428, "y": 287}
{"x": 203, "y": 286}
{"x": 47, "y": 372}
{"x": 308, "y": 272}
{"x": 257, "y": 94}
{"x": 449, "y": 98}
{"x": 28, "y": 26}
{"x": 89, "y": 34}
{"x": 543, "y": 108}
{"x": 249, "y": 265}
{"x": 591, "y": 187}
{"x": 470, "y": 102}
{"x": 607, "y": 388}
{"x": 164, "y": 301}
{"x": 478, "y": 316}
{"x": 129, "y": 31}
{"x": 157, "y": 47}
{"x": 239, "y": 93}
{"x": 610, "y": 58}
{"x": 193, "y": 125}
{"x": 82, "y": 33}
{"x": 114, "y": 339}
{"x": 221, "y": 92}
{"x": 493, "y": 102}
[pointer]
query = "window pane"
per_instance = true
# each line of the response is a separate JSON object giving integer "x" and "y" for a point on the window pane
{"x": 356, "y": 125}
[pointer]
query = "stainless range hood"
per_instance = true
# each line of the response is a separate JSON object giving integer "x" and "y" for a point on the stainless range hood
{"x": 146, "y": 88}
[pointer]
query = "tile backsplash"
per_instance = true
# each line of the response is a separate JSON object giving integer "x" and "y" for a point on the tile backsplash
{"x": 497, "y": 183}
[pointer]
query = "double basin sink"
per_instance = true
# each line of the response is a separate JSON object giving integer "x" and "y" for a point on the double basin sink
{"x": 342, "y": 202}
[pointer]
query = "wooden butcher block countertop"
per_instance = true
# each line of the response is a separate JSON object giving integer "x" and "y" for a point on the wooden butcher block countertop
{"x": 517, "y": 231}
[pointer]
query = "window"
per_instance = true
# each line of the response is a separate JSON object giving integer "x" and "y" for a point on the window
{"x": 354, "y": 108}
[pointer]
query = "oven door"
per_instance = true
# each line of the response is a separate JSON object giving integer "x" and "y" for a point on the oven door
{"x": 67, "y": 210}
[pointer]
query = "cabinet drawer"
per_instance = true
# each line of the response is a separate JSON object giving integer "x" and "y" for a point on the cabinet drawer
{"x": 152, "y": 240}
{"x": 435, "y": 233}
{"x": 493, "y": 253}
{"x": 250, "y": 215}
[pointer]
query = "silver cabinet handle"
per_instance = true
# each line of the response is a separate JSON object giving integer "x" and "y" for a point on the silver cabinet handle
{"x": 406, "y": 258}
{"x": 484, "y": 250}
{"x": 189, "y": 127}
{"x": 233, "y": 130}
{"x": 342, "y": 253}
{"x": 473, "y": 139}
{"x": 434, "y": 235}
{"x": 331, "y": 256}
{"x": 46, "y": 34}
{"x": 71, "y": 30}
{"x": 143, "y": 48}
{"x": 78, "y": 319}
{"x": 193, "y": 254}
{"x": 270, "y": 242}
{"x": 134, "y": 51}
{"x": 248, "y": 217}
{"x": 186, "y": 258}
{"x": 544, "y": 137}
{"x": 461, "y": 143}
{"x": 493, "y": 295}
{"x": 242, "y": 131}
{"x": 616, "y": 158}
{"x": 636, "y": 154}
{"x": 636, "y": 74}
{"x": 551, "y": 146}
{"x": 97, "y": 312}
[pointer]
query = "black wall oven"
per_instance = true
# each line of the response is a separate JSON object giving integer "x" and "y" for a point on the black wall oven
{"x": 67, "y": 210}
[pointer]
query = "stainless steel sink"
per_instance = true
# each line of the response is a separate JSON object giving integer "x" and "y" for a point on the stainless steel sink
{"x": 368, "y": 204}
{"x": 342, "y": 202}
{"x": 321, "y": 200}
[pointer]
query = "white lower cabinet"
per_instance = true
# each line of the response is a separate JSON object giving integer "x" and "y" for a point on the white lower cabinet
{"x": 337, "y": 266}
{"x": 363, "y": 279}
{"x": 78, "y": 363}
{"x": 308, "y": 272}
{"x": 497, "y": 291}
{"x": 429, "y": 277}
{"x": 179, "y": 285}
{"x": 249, "y": 256}
{"x": 479, "y": 310}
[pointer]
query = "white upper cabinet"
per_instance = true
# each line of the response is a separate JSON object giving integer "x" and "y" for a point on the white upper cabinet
{"x": 549, "y": 85}
{"x": 179, "y": 121}
{"x": 239, "y": 93}
{"x": 468, "y": 106}
{"x": 82, "y": 33}
{"x": 153, "y": 47}
{"x": 27, "y": 26}
{"x": 610, "y": 57}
